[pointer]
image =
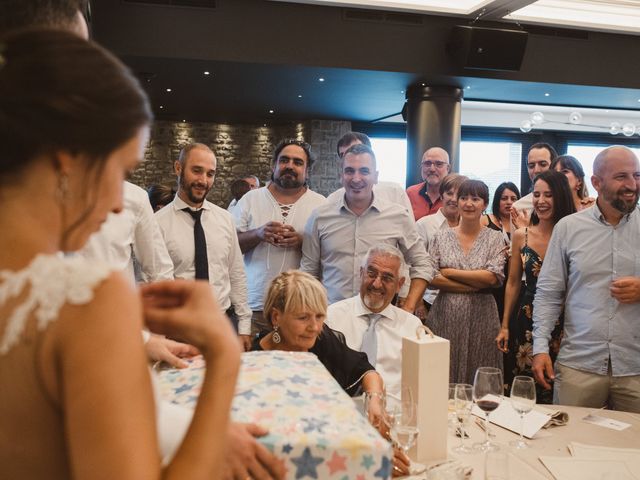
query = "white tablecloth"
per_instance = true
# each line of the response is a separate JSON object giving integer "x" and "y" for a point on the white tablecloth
{"x": 525, "y": 464}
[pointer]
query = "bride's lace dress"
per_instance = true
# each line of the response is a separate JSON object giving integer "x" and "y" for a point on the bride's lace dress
{"x": 32, "y": 437}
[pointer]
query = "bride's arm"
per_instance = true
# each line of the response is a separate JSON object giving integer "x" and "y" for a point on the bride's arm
{"x": 106, "y": 392}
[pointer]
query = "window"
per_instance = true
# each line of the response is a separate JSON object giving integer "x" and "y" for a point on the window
{"x": 585, "y": 155}
{"x": 493, "y": 162}
{"x": 391, "y": 154}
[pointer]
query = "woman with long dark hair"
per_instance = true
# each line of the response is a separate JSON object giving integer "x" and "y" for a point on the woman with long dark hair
{"x": 572, "y": 169}
{"x": 77, "y": 399}
{"x": 552, "y": 201}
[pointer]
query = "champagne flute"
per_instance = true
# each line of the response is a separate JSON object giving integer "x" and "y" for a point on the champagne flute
{"x": 463, "y": 406}
{"x": 487, "y": 391}
{"x": 523, "y": 398}
{"x": 451, "y": 405}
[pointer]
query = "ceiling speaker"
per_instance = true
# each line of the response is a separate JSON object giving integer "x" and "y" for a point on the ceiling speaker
{"x": 487, "y": 48}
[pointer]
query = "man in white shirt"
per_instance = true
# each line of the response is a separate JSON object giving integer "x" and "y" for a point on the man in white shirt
{"x": 201, "y": 237}
{"x": 369, "y": 322}
{"x": 539, "y": 160}
{"x": 270, "y": 221}
{"x": 134, "y": 232}
{"x": 338, "y": 235}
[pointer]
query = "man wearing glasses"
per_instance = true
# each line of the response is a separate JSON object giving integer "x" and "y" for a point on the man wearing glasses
{"x": 369, "y": 322}
{"x": 425, "y": 197}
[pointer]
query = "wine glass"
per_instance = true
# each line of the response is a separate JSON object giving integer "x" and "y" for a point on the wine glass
{"x": 523, "y": 398}
{"x": 451, "y": 405}
{"x": 487, "y": 391}
{"x": 404, "y": 426}
{"x": 463, "y": 406}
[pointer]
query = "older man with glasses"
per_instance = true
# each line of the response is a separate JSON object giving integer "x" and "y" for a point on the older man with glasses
{"x": 425, "y": 197}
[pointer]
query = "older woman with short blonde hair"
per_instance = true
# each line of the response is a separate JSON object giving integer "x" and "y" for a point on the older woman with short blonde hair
{"x": 296, "y": 307}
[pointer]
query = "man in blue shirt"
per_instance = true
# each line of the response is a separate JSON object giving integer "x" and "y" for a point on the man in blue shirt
{"x": 592, "y": 268}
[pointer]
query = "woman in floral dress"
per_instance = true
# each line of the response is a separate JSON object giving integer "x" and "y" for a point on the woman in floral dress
{"x": 551, "y": 201}
{"x": 469, "y": 259}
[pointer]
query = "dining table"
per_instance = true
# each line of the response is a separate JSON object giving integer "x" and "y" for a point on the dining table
{"x": 553, "y": 443}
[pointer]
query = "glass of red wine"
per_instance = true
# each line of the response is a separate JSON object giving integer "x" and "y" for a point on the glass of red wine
{"x": 487, "y": 393}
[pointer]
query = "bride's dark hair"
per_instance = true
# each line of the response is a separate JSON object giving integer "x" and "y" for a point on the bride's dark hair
{"x": 60, "y": 92}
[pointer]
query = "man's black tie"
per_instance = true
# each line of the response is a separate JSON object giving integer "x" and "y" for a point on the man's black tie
{"x": 201, "y": 261}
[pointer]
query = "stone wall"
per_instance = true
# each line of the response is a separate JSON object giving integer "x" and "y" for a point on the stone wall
{"x": 241, "y": 150}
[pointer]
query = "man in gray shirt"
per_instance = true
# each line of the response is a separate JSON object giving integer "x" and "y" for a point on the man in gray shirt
{"x": 338, "y": 234}
{"x": 592, "y": 268}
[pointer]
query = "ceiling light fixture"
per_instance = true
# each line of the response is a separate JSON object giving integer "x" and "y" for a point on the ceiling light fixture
{"x": 161, "y": 106}
{"x": 547, "y": 94}
{"x": 270, "y": 111}
{"x": 299, "y": 96}
{"x": 168, "y": 89}
{"x": 537, "y": 119}
{"x": 321, "y": 79}
{"x": 206, "y": 73}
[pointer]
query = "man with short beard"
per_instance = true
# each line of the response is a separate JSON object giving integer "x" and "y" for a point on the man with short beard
{"x": 380, "y": 280}
{"x": 592, "y": 269}
{"x": 269, "y": 221}
{"x": 220, "y": 259}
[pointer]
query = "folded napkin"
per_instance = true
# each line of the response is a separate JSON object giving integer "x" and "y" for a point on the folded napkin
{"x": 571, "y": 468}
{"x": 630, "y": 456}
{"x": 557, "y": 418}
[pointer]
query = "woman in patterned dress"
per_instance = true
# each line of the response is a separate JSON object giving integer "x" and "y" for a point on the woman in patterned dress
{"x": 551, "y": 201}
{"x": 469, "y": 259}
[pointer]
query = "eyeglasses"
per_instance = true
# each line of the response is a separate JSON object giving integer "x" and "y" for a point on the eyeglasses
{"x": 430, "y": 164}
{"x": 384, "y": 277}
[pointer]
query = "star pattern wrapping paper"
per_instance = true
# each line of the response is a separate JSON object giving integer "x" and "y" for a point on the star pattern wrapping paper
{"x": 314, "y": 427}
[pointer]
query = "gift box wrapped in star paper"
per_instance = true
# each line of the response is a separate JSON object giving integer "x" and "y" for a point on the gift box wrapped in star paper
{"x": 314, "y": 427}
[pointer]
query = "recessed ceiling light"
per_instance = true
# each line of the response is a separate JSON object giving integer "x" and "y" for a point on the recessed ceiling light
{"x": 468, "y": 87}
{"x": 547, "y": 94}
{"x": 168, "y": 89}
{"x": 401, "y": 91}
{"x": 424, "y": 85}
{"x": 299, "y": 96}
{"x": 264, "y": 124}
{"x": 207, "y": 73}
{"x": 639, "y": 99}
{"x": 161, "y": 106}
{"x": 321, "y": 79}
{"x": 270, "y": 111}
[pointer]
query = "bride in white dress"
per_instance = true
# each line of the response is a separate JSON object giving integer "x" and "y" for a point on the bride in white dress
{"x": 76, "y": 398}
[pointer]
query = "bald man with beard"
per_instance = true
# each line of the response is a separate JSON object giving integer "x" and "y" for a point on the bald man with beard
{"x": 592, "y": 271}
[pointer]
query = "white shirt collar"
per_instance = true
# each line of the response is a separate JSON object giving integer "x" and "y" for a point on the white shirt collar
{"x": 361, "y": 309}
{"x": 179, "y": 204}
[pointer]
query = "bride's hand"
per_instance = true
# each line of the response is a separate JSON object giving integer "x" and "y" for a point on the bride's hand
{"x": 187, "y": 311}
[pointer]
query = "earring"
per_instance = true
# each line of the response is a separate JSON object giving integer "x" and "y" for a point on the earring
{"x": 276, "y": 336}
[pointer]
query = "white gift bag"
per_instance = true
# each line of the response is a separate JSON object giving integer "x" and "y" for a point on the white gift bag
{"x": 425, "y": 369}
